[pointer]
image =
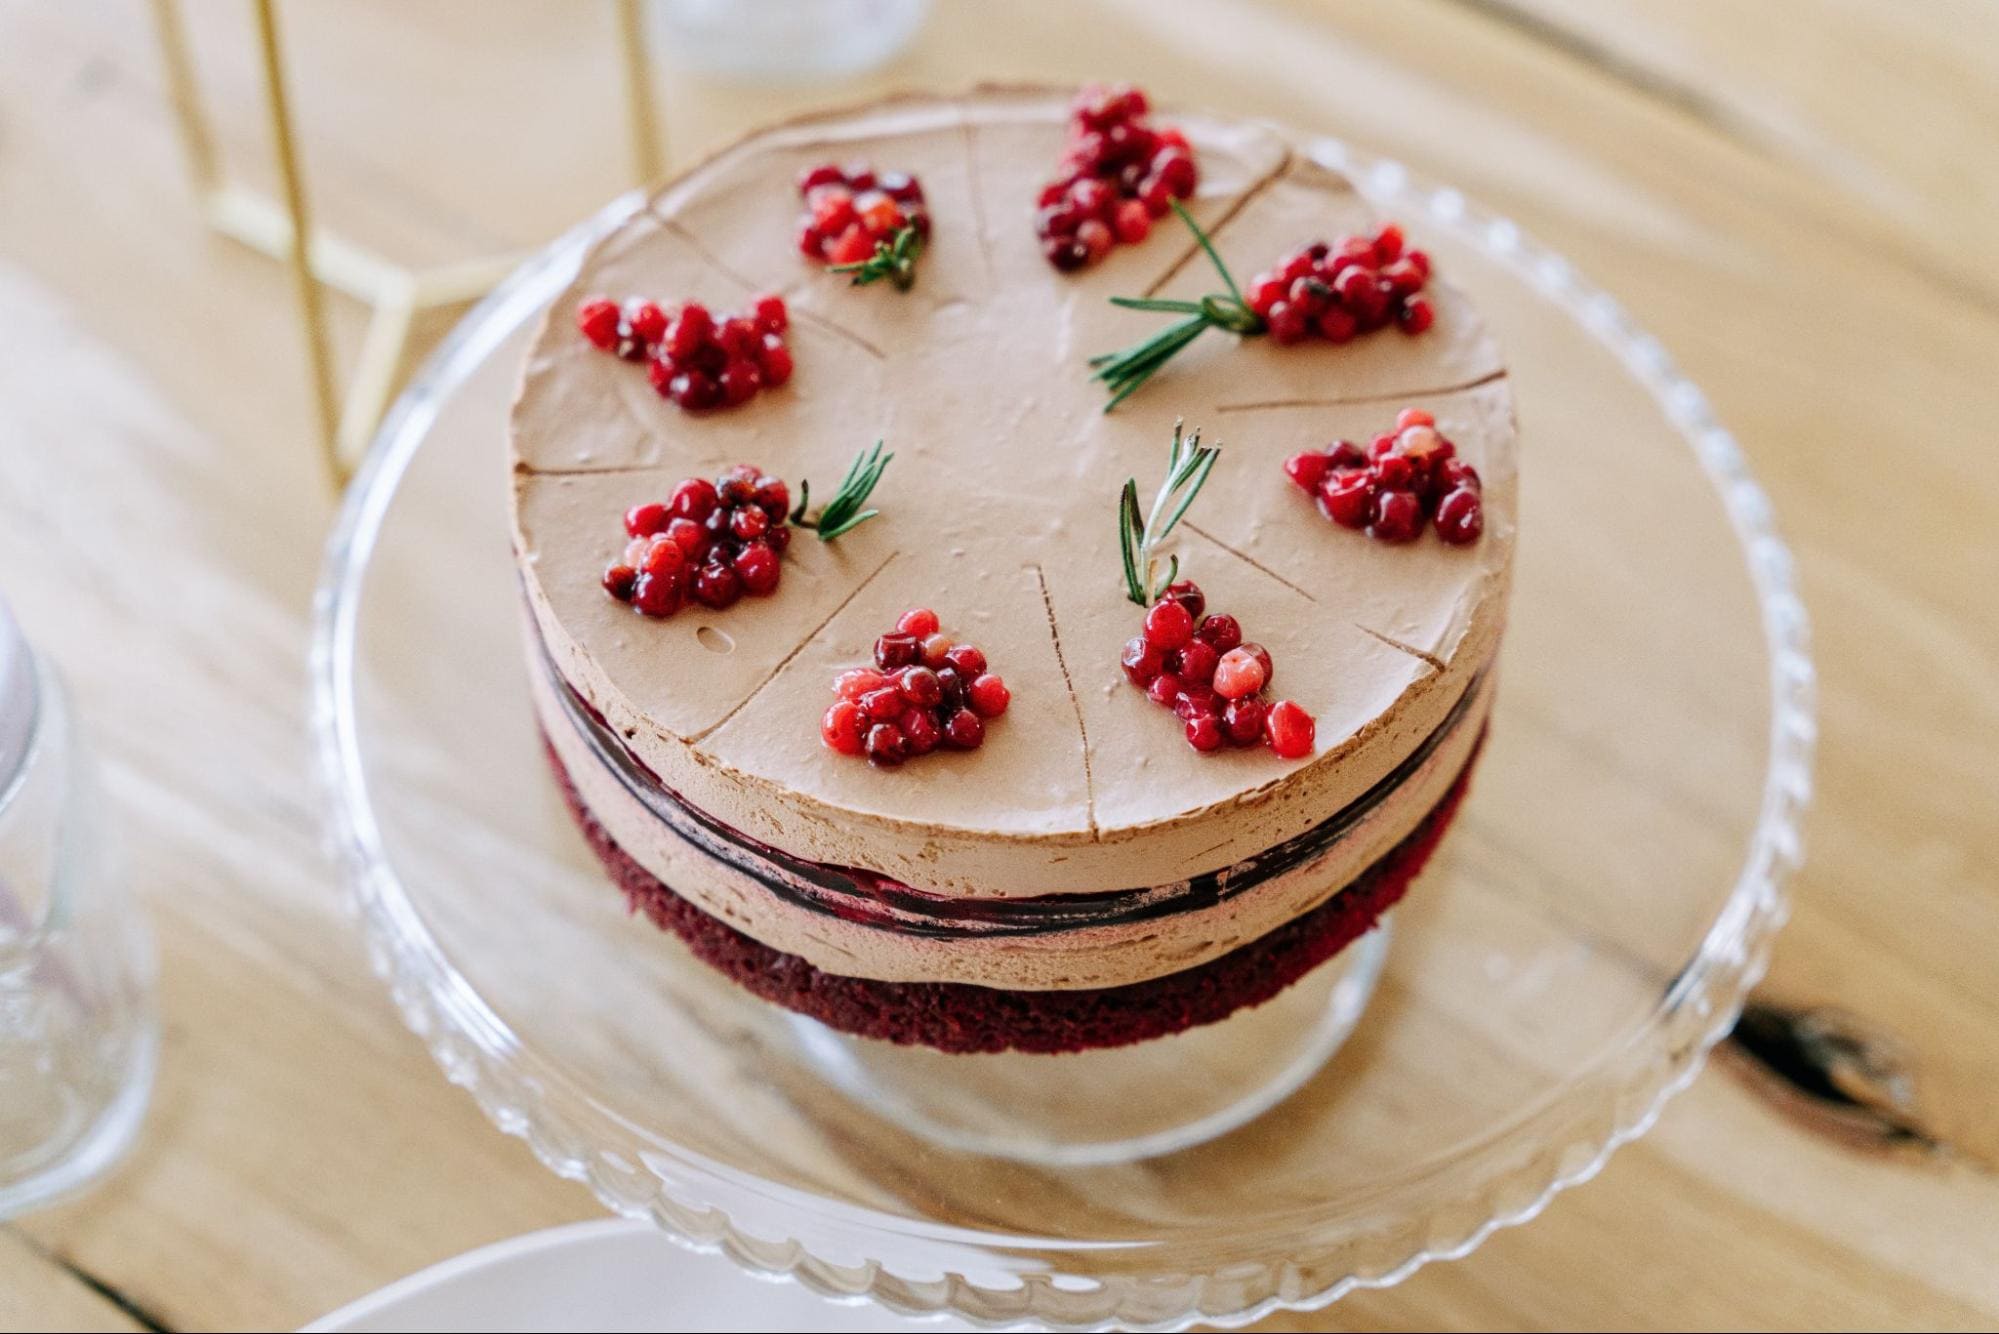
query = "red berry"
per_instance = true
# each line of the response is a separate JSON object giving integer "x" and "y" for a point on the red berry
{"x": 693, "y": 499}
{"x": 1195, "y": 663}
{"x": 1346, "y": 454}
{"x": 1169, "y": 624}
{"x": 1388, "y": 243}
{"x": 1263, "y": 656}
{"x": 1403, "y": 278}
{"x": 757, "y": 566}
{"x": 953, "y": 686}
{"x": 1142, "y": 660}
{"x": 1336, "y": 325}
{"x": 1188, "y": 594}
{"x": 968, "y": 660}
{"x": 1347, "y": 497}
{"x": 1164, "y": 690}
{"x": 647, "y": 322}
{"x": 988, "y": 696}
{"x": 770, "y": 314}
{"x": 597, "y": 320}
{"x": 689, "y": 536}
{"x": 1195, "y": 700}
{"x": 773, "y": 497}
{"x": 896, "y": 650}
{"x": 1240, "y": 673}
{"x": 618, "y": 581}
{"x": 920, "y": 686}
{"x": 740, "y": 382}
{"x": 858, "y": 681}
{"x": 1288, "y": 323}
{"x": 647, "y": 519}
{"x": 689, "y": 332}
{"x": 661, "y": 555}
{"x": 696, "y": 392}
{"x": 1398, "y": 517}
{"x": 885, "y": 704}
{"x": 1454, "y": 473}
{"x": 1395, "y": 472}
{"x": 1290, "y": 730}
{"x": 826, "y": 173}
{"x": 1243, "y": 720}
{"x": 1266, "y": 291}
{"x": 717, "y": 585}
{"x": 1131, "y": 222}
{"x": 965, "y": 730}
{"x": 1096, "y": 239}
{"x": 853, "y": 246}
{"x": 1415, "y": 315}
{"x": 1461, "y": 517}
{"x": 1204, "y": 732}
{"x": 774, "y": 362}
{"x": 841, "y": 727}
{"x": 657, "y": 594}
{"x": 1220, "y": 632}
{"x": 919, "y": 731}
{"x": 885, "y": 745}
{"x": 918, "y": 621}
{"x": 1308, "y": 469}
{"x": 935, "y": 650}
{"x": 659, "y": 374}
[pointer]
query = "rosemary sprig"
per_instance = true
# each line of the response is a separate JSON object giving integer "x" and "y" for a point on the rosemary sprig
{"x": 894, "y": 259}
{"x": 1123, "y": 372}
{"x": 843, "y": 513}
{"x": 1139, "y": 536}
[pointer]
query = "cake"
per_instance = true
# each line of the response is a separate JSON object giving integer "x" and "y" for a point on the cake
{"x": 1085, "y": 877}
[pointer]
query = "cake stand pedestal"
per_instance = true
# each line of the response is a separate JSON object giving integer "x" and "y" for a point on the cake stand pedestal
{"x": 1584, "y": 935}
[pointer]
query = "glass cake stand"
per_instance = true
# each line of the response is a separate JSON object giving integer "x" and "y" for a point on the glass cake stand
{"x": 1584, "y": 935}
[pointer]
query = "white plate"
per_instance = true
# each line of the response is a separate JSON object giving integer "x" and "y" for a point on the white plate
{"x": 610, "y": 1275}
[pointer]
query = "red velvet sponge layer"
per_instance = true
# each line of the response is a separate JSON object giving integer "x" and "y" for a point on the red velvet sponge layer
{"x": 959, "y": 1017}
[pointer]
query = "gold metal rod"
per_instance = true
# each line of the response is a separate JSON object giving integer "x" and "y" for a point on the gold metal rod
{"x": 648, "y": 152}
{"x": 311, "y": 313}
{"x": 183, "y": 91}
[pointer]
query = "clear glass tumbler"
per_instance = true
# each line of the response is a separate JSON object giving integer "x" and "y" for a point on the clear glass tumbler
{"x": 78, "y": 1037}
{"x": 787, "y": 40}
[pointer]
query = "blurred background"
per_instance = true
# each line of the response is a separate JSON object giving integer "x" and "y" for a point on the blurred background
{"x": 1796, "y": 198}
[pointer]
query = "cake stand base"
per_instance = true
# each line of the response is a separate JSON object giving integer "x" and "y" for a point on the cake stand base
{"x": 1116, "y": 1104}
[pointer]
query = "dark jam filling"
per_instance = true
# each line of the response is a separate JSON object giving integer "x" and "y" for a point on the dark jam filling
{"x": 854, "y": 895}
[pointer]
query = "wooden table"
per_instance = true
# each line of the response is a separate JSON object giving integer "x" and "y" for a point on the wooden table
{"x": 1797, "y": 198}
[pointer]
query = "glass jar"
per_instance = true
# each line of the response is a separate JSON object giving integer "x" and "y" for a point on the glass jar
{"x": 78, "y": 1037}
{"x": 787, "y": 40}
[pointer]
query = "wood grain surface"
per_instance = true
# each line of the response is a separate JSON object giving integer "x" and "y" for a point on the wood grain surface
{"x": 1796, "y": 198}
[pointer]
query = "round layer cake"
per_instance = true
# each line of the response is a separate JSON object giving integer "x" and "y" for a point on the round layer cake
{"x": 1085, "y": 861}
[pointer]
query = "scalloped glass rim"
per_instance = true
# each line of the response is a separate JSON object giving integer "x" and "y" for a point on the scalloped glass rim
{"x": 1512, "y": 1171}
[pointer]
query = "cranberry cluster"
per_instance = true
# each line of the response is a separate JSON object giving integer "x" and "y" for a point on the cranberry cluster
{"x": 1199, "y": 667}
{"x": 851, "y": 210}
{"x": 1403, "y": 478}
{"x": 694, "y": 358}
{"x": 1341, "y": 291}
{"x": 709, "y": 542}
{"x": 1116, "y": 175}
{"x": 924, "y": 691}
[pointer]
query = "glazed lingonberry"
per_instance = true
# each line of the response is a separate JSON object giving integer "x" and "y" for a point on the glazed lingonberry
{"x": 1118, "y": 172}
{"x": 853, "y": 214}
{"x": 1406, "y": 477}
{"x": 925, "y": 692}
{"x": 1199, "y": 667}
{"x": 1338, "y": 292}
{"x": 708, "y": 542}
{"x": 693, "y": 359}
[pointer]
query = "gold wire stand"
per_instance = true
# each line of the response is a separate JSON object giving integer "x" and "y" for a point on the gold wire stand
{"x": 394, "y": 294}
